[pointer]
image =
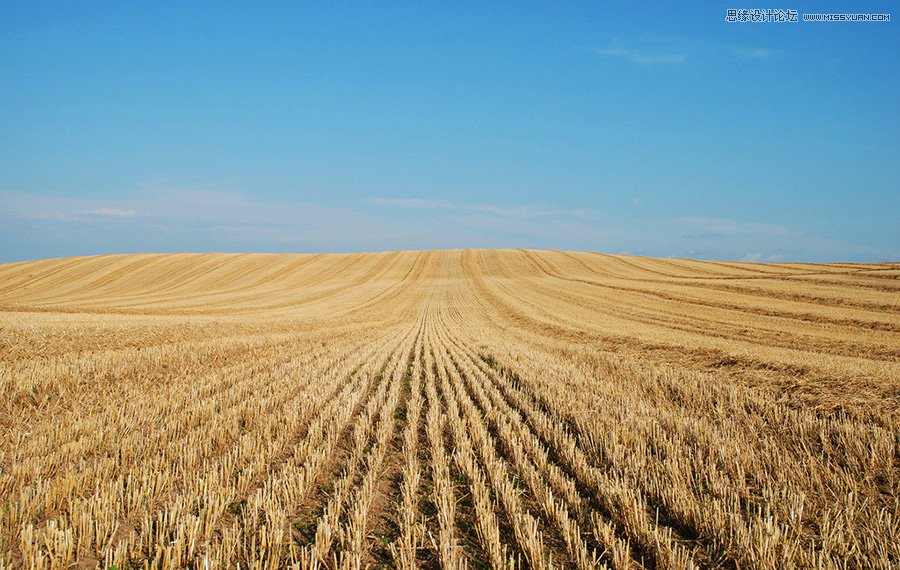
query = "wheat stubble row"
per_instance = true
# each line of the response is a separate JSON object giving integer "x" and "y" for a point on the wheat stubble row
{"x": 448, "y": 409}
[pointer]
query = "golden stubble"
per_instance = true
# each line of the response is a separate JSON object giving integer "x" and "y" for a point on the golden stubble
{"x": 454, "y": 409}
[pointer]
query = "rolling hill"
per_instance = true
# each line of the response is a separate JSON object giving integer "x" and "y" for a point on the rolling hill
{"x": 457, "y": 408}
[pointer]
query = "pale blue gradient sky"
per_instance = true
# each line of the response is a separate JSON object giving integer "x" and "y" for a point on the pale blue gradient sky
{"x": 655, "y": 130}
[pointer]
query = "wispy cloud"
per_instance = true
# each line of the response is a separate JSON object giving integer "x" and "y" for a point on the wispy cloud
{"x": 677, "y": 50}
{"x": 703, "y": 237}
{"x": 412, "y": 203}
{"x": 720, "y": 227}
{"x": 28, "y": 206}
{"x": 751, "y": 52}
{"x": 117, "y": 212}
{"x": 167, "y": 218}
{"x": 642, "y": 57}
{"x": 516, "y": 211}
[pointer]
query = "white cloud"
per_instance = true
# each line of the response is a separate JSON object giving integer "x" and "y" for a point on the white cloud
{"x": 717, "y": 227}
{"x": 677, "y": 50}
{"x": 642, "y": 57}
{"x": 165, "y": 218}
{"x": 118, "y": 212}
{"x": 751, "y": 53}
{"x": 412, "y": 203}
{"x": 518, "y": 211}
{"x": 160, "y": 218}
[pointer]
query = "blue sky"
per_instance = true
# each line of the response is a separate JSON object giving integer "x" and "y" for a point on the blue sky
{"x": 655, "y": 130}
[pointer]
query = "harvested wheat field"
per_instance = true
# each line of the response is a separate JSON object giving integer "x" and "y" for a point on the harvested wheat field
{"x": 448, "y": 409}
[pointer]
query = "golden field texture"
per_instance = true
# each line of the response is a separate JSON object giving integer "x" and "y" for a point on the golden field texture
{"x": 448, "y": 409}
